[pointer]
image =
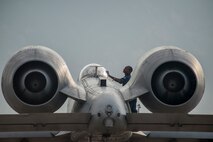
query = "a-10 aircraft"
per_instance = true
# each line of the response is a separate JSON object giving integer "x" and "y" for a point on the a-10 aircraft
{"x": 167, "y": 79}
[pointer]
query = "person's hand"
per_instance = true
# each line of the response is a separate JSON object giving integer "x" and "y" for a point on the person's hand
{"x": 107, "y": 73}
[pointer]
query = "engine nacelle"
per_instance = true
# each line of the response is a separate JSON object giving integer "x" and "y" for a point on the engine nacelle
{"x": 174, "y": 79}
{"x": 32, "y": 79}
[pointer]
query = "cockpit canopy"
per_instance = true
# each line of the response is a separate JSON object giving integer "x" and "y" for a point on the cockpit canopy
{"x": 93, "y": 71}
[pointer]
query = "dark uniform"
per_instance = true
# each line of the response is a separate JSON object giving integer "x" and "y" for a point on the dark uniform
{"x": 132, "y": 103}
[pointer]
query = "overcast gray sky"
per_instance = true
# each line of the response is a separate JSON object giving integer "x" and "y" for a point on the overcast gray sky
{"x": 113, "y": 33}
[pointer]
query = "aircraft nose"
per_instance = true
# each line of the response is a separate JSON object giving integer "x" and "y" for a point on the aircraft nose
{"x": 108, "y": 114}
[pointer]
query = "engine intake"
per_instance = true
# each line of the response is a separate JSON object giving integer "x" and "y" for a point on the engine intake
{"x": 173, "y": 83}
{"x": 32, "y": 79}
{"x": 35, "y": 82}
{"x": 173, "y": 77}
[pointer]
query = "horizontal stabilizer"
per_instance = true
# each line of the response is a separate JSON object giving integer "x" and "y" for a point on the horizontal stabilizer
{"x": 130, "y": 93}
{"x": 76, "y": 94}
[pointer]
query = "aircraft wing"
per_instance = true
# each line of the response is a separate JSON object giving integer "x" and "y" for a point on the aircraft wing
{"x": 155, "y": 125}
{"x": 79, "y": 122}
{"x": 44, "y": 122}
{"x": 170, "y": 122}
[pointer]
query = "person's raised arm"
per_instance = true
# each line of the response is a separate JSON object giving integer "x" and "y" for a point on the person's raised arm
{"x": 114, "y": 78}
